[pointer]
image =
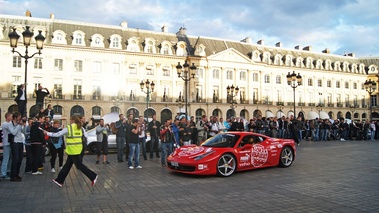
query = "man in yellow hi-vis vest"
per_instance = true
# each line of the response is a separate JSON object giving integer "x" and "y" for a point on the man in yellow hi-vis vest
{"x": 74, "y": 147}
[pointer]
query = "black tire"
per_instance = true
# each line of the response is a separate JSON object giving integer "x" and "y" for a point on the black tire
{"x": 47, "y": 150}
{"x": 92, "y": 148}
{"x": 286, "y": 157}
{"x": 226, "y": 165}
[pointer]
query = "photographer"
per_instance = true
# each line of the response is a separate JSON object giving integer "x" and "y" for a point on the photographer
{"x": 41, "y": 93}
{"x": 17, "y": 145}
{"x": 166, "y": 140}
{"x": 102, "y": 132}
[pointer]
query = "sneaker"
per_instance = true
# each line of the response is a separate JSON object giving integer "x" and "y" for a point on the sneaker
{"x": 95, "y": 180}
{"x": 56, "y": 182}
{"x": 52, "y": 170}
{"x": 37, "y": 173}
{"x": 106, "y": 162}
{"x": 97, "y": 162}
{"x": 6, "y": 177}
{"x": 131, "y": 167}
{"x": 139, "y": 167}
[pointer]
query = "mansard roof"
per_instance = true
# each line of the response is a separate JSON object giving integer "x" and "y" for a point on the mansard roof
{"x": 212, "y": 45}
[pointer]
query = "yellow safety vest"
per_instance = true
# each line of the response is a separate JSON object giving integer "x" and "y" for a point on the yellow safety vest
{"x": 74, "y": 144}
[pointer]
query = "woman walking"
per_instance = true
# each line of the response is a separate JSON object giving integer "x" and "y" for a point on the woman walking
{"x": 74, "y": 147}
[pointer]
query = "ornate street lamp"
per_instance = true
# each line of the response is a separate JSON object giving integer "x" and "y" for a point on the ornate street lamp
{"x": 149, "y": 89}
{"x": 27, "y": 36}
{"x": 186, "y": 73}
{"x": 294, "y": 81}
{"x": 370, "y": 87}
{"x": 280, "y": 108}
{"x": 319, "y": 109}
{"x": 232, "y": 92}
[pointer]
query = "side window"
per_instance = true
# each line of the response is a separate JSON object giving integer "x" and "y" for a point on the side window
{"x": 250, "y": 139}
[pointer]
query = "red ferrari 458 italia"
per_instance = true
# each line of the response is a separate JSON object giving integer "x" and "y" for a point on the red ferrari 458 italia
{"x": 228, "y": 152}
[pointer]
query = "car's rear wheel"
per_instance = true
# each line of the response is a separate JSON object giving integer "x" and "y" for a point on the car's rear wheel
{"x": 286, "y": 157}
{"x": 226, "y": 165}
{"x": 92, "y": 148}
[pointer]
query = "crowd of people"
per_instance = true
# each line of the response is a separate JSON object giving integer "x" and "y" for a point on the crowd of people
{"x": 131, "y": 134}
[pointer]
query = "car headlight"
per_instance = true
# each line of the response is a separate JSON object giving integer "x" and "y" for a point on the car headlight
{"x": 198, "y": 157}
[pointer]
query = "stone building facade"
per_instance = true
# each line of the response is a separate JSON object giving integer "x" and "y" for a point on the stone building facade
{"x": 93, "y": 69}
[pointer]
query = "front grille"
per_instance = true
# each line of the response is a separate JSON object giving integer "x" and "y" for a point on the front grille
{"x": 183, "y": 168}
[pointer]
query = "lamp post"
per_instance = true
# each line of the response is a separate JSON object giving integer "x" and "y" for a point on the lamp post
{"x": 149, "y": 89}
{"x": 370, "y": 87}
{"x": 27, "y": 36}
{"x": 232, "y": 92}
{"x": 319, "y": 109}
{"x": 294, "y": 81}
{"x": 189, "y": 72}
{"x": 352, "y": 109}
{"x": 280, "y": 108}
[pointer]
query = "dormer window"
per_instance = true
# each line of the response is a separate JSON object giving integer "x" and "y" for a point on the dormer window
{"x": 97, "y": 41}
{"x": 78, "y": 38}
{"x": 59, "y": 37}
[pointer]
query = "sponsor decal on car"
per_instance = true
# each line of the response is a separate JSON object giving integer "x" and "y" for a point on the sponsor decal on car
{"x": 188, "y": 151}
{"x": 245, "y": 158}
{"x": 259, "y": 155}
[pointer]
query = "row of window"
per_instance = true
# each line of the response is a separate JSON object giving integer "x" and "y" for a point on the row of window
{"x": 115, "y": 68}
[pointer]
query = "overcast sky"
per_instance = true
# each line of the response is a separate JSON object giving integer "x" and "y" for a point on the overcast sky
{"x": 343, "y": 26}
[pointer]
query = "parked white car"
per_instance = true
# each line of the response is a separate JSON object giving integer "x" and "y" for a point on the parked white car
{"x": 92, "y": 140}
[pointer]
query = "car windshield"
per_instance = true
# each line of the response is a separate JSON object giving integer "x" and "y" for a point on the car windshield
{"x": 222, "y": 140}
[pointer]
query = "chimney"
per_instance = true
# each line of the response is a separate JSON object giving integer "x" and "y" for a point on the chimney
{"x": 182, "y": 31}
{"x": 51, "y": 15}
{"x": 28, "y": 13}
{"x": 327, "y": 51}
{"x": 297, "y": 47}
{"x": 246, "y": 40}
{"x": 279, "y": 44}
{"x": 164, "y": 29}
{"x": 350, "y": 54}
{"x": 308, "y": 48}
{"x": 124, "y": 24}
{"x": 261, "y": 42}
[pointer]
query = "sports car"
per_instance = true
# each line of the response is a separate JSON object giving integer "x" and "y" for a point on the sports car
{"x": 228, "y": 152}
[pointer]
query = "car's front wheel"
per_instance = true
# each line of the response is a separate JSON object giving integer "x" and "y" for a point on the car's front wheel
{"x": 92, "y": 148}
{"x": 286, "y": 157}
{"x": 226, "y": 165}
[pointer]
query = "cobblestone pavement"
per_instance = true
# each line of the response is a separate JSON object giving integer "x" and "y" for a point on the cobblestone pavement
{"x": 326, "y": 177}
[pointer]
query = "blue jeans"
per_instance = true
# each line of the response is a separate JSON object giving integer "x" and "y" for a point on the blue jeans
{"x": 121, "y": 141}
{"x": 316, "y": 134}
{"x": 166, "y": 150}
{"x": 5, "y": 165}
{"x": 142, "y": 143}
{"x": 372, "y": 135}
{"x": 134, "y": 150}
{"x": 281, "y": 133}
{"x": 300, "y": 135}
{"x": 324, "y": 134}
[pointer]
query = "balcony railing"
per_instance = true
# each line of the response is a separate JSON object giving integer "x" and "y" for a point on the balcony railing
{"x": 311, "y": 104}
{"x": 339, "y": 105}
{"x": 301, "y": 104}
{"x": 330, "y": 105}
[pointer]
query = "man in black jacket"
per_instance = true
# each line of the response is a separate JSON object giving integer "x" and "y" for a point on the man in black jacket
{"x": 121, "y": 126}
{"x": 21, "y": 100}
{"x": 41, "y": 93}
{"x": 153, "y": 128}
{"x": 37, "y": 139}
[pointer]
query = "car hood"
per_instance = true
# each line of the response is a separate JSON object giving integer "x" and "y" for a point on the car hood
{"x": 192, "y": 151}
